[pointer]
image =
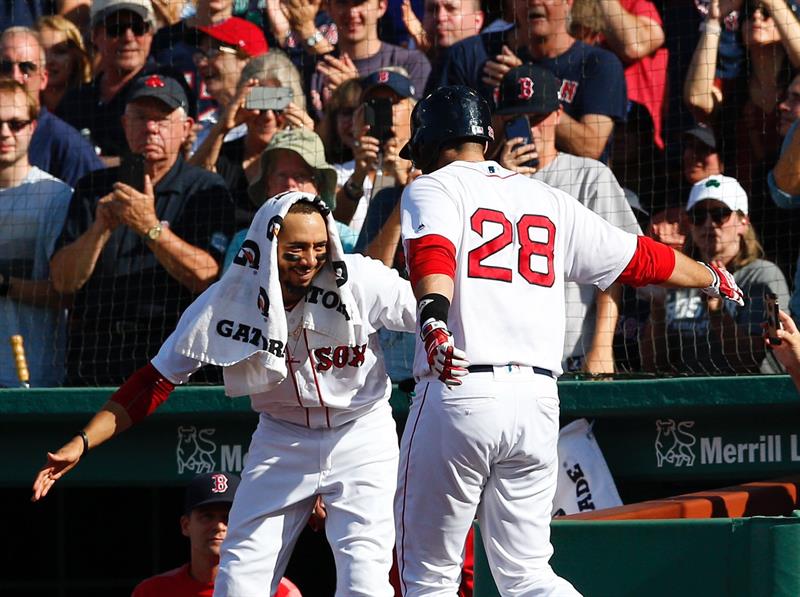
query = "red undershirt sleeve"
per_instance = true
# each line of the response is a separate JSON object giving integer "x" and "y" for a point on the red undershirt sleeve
{"x": 652, "y": 263}
{"x": 143, "y": 392}
{"x": 430, "y": 254}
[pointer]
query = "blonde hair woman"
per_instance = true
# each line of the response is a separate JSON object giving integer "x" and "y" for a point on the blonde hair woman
{"x": 67, "y": 61}
{"x": 687, "y": 333}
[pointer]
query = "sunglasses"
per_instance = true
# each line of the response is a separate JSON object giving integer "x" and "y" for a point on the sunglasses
{"x": 26, "y": 67}
{"x": 116, "y": 29}
{"x": 719, "y": 215}
{"x": 15, "y": 125}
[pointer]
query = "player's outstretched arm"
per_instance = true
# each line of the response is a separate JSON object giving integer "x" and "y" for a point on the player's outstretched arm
{"x": 138, "y": 397}
{"x": 656, "y": 263}
{"x": 110, "y": 420}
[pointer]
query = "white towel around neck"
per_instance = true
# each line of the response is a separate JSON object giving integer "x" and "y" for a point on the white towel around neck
{"x": 240, "y": 323}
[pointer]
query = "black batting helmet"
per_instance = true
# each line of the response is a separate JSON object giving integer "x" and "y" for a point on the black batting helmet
{"x": 449, "y": 113}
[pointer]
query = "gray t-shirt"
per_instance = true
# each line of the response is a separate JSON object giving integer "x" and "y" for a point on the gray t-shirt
{"x": 691, "y": 349}
{"x": 31, "y": 217}
{"x": 594, "y": 185}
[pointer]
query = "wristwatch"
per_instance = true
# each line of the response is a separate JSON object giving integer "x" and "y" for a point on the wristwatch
{"x": 154, "y": 233}
{"x": 353, "y": 191}
{"x": 313, "y": 40}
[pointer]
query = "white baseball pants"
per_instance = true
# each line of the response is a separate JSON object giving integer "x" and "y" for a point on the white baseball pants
{"x": 487, "y": 447}
{"x": 353, "y": 467}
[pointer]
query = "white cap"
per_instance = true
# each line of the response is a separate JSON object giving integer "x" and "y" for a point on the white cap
{"x": 102, "y": 8}
{"x": 719, "y": 188}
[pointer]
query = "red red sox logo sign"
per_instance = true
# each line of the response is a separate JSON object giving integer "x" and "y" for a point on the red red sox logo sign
{"x": 383, "y": 76}
{"x": 525, "y": 88}
{"x": 219, "y": 483}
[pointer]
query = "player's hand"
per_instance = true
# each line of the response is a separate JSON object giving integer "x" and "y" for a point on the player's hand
{"x": 723, "y": 285}
{"x": 318, "y": 515}
{"x": 494, "y": 70}
{"x": 57, "y": 466}
{"x": 515, "y": 153}
{"x": 444, "y": 358}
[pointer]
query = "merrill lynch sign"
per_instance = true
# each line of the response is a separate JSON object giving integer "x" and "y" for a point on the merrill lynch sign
{"x": 198, "y": 453}
{"x": 679, "y": 444}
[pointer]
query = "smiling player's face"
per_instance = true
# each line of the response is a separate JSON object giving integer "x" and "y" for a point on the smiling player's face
{"x": 302, "y": 252}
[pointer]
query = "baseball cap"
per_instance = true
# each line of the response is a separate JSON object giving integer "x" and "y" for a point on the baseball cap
{"x": 398, "y": 83}
{"x": 238, "y": 33}
{"x": 704, "y": 134}
{"x": 528, "y": 89}
{"x": 719, "y": 188}
{"x": 161, "y": 87}
{"x": 308, "y": 146}
{"x": 103, "y": 8}
{"x": 210, "y": 488}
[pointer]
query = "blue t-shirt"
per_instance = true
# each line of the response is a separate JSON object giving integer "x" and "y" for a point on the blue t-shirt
{"x": 58, "y": 149}
{"x": 31, "y": 218}
{"x": 593, "y": 81}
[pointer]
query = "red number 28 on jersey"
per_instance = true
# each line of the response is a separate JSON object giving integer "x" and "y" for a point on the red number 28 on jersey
{"x": 527, "y": 247}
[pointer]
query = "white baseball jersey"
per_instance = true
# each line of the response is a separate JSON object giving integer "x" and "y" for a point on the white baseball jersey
{"x": 327, "y": 386}
{"x": 517, "y": 241}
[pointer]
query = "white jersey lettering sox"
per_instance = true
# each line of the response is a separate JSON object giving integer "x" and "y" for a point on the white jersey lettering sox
{"x": 517, "y": 240}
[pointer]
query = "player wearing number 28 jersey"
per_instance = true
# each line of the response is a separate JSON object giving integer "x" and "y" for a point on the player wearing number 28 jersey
{"x": 488, "y": 253}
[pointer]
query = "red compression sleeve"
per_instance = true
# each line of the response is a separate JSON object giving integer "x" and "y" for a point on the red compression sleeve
{"x": 143, "y": 392}
{"x": 652, "y": 263}
{"x": 430, "y": 254}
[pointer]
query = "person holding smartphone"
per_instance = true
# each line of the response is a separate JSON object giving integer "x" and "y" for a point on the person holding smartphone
{"x": 687, "y": 333}
{"x": 382, "y": 126}
{"x": 527, "y": 117}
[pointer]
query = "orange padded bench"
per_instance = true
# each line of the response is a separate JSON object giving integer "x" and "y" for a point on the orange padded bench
{"x": 760, "y": 498}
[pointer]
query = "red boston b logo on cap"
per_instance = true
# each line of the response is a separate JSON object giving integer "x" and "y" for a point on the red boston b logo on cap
{"x": 154, "y": 81}
{"x": 383, "y": 76}
{"x": 219, "y": 482}
{"x": 525, "y": 88}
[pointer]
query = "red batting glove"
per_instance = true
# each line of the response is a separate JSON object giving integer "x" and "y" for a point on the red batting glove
{"x": 444, "y": 358}
{"x": 723, "y": 285}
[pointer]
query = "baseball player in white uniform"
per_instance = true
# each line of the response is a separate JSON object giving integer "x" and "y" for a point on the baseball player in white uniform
{"x": 326, "y": 430}
{"x": 488, "y": 253}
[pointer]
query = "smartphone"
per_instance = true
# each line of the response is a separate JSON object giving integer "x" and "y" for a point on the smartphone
{"x": 521, "y": 127}
{"x": 378, "y": 115}
{"x": 773, "y": 322}
{"x": 268, "y": 98}
{"x": 131, "y": 170}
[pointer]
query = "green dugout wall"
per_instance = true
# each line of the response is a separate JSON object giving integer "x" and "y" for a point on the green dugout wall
{"x": 114, "y": 520}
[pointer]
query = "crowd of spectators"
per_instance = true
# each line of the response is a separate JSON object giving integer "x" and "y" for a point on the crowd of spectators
{"x": 139, "y": 137}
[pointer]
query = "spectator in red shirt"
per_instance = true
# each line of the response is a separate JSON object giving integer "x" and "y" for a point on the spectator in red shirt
{"x": 205, "y": 522}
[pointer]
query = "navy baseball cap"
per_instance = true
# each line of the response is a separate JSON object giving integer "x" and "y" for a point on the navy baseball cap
{"x": 398, "y": 83}
{"x": 210, "y": 488}
{"x": 161, "y": 87}
{"x": 704, "y": 134}
{"x": 528, "y": 89}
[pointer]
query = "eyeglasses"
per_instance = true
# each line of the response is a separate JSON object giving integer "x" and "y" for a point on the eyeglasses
{"x": 26, "y": 67}
{"x": 719, "y": 215}
{"x": 211, "y": 53}
{"x": 15, "y": 125}
{"x": 116, "y": 29}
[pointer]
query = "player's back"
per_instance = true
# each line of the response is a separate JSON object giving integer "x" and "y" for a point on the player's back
{"x": 516, "y": 240}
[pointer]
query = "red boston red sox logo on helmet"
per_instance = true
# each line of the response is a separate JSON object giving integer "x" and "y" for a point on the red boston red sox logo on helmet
{"x": 154, "y": 81}
{"x": 525, "y": 88}
{"x": 383, "y": 76}
{"x": 219, "y": 483}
